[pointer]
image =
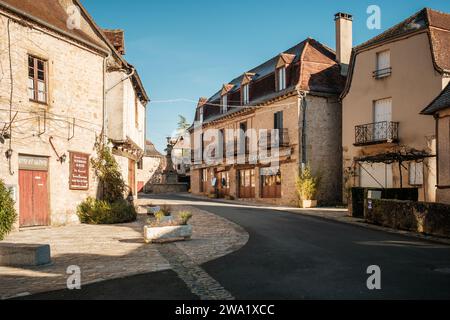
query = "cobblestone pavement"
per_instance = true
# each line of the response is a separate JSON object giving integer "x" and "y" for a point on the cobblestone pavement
{"x": 110, "y": 252}
{"x": 198, "y": 281}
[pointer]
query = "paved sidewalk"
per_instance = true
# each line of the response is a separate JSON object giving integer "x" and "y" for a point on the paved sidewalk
{"x": 335, "y": 214}
{"x": 111, "y": 252}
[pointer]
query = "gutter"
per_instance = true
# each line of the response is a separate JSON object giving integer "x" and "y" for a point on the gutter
{"x": 133, "y": 71}
{"x": 51, "y": 27}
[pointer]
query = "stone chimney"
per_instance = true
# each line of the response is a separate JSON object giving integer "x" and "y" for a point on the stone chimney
{"x": 344, "y": 39}
{"x": 117, "y": 39}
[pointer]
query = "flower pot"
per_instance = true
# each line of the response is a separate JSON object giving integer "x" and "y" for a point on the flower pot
{"x": 167, "y": 234}
{"x": 309, "y": 204}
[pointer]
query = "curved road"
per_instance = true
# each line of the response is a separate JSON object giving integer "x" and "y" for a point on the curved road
{"x": 291, "y": 256}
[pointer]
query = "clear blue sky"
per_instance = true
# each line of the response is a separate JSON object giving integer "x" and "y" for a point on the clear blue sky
{"x": 189, "y": 48}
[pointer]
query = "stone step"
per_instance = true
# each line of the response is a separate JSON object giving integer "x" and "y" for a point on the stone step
{"x": 24, "y": 255}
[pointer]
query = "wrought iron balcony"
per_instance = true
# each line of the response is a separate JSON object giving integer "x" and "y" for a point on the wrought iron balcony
{"x": 282, "y": 140}
{"x": 382, "y": 73}
{"x": 376, "y": 133}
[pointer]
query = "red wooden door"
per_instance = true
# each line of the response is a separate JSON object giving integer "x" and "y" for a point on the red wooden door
{"x": 34, "y": 206}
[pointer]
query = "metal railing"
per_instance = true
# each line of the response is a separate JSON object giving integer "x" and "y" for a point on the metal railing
{"x": 377, "y": 132}
{"x": 382, "y": 73}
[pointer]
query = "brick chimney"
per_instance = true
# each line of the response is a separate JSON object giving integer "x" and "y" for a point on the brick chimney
{"x": 344, "y": 39}
{"x": 117, "y": 39}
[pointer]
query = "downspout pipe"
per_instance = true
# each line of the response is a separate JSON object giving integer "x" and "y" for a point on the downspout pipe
{"x": 303, "y": 105}
{"x": 131, "y": 74}
{"x": 105, "y": 114}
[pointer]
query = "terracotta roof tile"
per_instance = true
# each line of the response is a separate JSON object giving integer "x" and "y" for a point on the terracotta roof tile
{"x": 52, "y": 13}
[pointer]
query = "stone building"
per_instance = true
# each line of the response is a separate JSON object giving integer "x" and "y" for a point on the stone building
{"x": 391, "y": 78}
{"x": 56, "y": 68}
{"x": 293, "y": 95}
{"x": 150, "y": 167}
{"x": 440, "y": 109}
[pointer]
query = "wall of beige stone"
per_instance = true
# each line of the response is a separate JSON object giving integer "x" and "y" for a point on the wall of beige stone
{"x": 150, "y": 167}
{"x": 323, "y": 131}
{"x": 75, "y": 86}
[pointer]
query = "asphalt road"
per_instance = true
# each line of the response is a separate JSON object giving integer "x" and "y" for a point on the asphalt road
{"x": 291, "y": 256}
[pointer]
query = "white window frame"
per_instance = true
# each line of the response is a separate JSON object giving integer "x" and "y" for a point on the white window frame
{"x": 246, "y": 94}
{"x": 281, "y": 78}
{"x": 225, "y": 103}
{"x": 383, "y": 64}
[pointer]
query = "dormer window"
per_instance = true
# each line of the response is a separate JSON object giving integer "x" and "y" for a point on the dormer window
{"x": 225, "y": 104}
{"x": 281, "y": 78}
{"x": 245, "y": 94}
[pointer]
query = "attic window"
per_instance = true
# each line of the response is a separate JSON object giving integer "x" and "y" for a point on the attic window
{"x": 281, "y": 78}
{"x": 245, "y": 94}
{"x": 225, "y": 103}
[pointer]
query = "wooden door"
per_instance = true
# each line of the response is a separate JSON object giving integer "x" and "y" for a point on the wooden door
{"x": 223, "y": 180}
{"x": 247, "y": 184}
{"x": 33, "y": 197}
{"x": 132, "y": 176}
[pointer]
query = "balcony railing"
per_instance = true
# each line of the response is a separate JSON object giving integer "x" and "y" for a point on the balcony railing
{"x": 282, "y": 140}
{"x": 375, "y": 133}
{"x": 382, "y": 73}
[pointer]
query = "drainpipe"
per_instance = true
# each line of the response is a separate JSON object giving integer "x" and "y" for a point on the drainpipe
{"x": 105, "y": 114}
{"x": 133, "y": 71}
{"x": 302, "y": 110}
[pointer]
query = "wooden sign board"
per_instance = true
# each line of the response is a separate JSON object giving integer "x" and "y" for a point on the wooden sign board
{"x": 79, "y": 171}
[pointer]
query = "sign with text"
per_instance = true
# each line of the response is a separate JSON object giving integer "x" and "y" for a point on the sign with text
{"x": 33, "y": 163}
{"x": 79, "y": 171}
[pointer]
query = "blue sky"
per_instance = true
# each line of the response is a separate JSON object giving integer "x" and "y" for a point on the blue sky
{"x": 184, "y": 49}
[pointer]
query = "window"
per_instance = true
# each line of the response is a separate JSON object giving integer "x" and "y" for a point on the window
{"x": 278, "y": 125}
{"x": 37, "y": 79}
{"x": 246, "y": 94}
{"x": 140, "y": 164}
{"x": 416, "y": 174}
{"x": 224, "y": 104}
{"x": 383, "y": 65}
{"x": 281, "y": 79}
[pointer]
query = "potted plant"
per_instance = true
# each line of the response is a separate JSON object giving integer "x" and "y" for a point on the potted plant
{"x": 307, "y": 185}
{"x": 168, "y": 229}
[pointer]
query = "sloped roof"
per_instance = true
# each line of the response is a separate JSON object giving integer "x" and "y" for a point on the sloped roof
{"x": 150, "y": 150}
{"x": 441, "y": 102}
{"x": 52, "y": 13}
{"x": 316, "y": 53}
{"x": 436, "y": 23}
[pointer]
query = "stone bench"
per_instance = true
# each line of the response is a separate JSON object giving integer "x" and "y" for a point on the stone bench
{"x": 24, "y": 255}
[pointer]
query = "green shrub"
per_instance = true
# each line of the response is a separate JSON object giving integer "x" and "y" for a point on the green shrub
{"x": 8, "y": 214}
{"x": 307, "y": 184}
{"x": 184, "y": 217}
{"x": 93, "y": 211}
{"x": 111, "y": 183}
{"x": 166, "y": 209}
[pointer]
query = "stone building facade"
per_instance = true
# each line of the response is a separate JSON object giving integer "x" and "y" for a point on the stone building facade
{"x": 290, "y": 101}
{"x": 52, "y": 106}
{"x": 391, "y": 78}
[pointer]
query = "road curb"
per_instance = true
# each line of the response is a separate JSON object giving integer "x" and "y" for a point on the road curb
{"x": 345, "y": 220}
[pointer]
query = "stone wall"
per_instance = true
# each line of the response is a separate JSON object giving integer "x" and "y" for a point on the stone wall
{"x": 323, "y": 148}
{"x": 422, "y": 217}
{"x": 75, "y": 90}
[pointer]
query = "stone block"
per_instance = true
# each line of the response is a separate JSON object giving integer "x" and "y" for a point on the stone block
{"x": 24, "y": 255}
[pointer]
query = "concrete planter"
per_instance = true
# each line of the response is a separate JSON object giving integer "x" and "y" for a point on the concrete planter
{"x": 307, "y": 204}
{"x": 167, "y": 234}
